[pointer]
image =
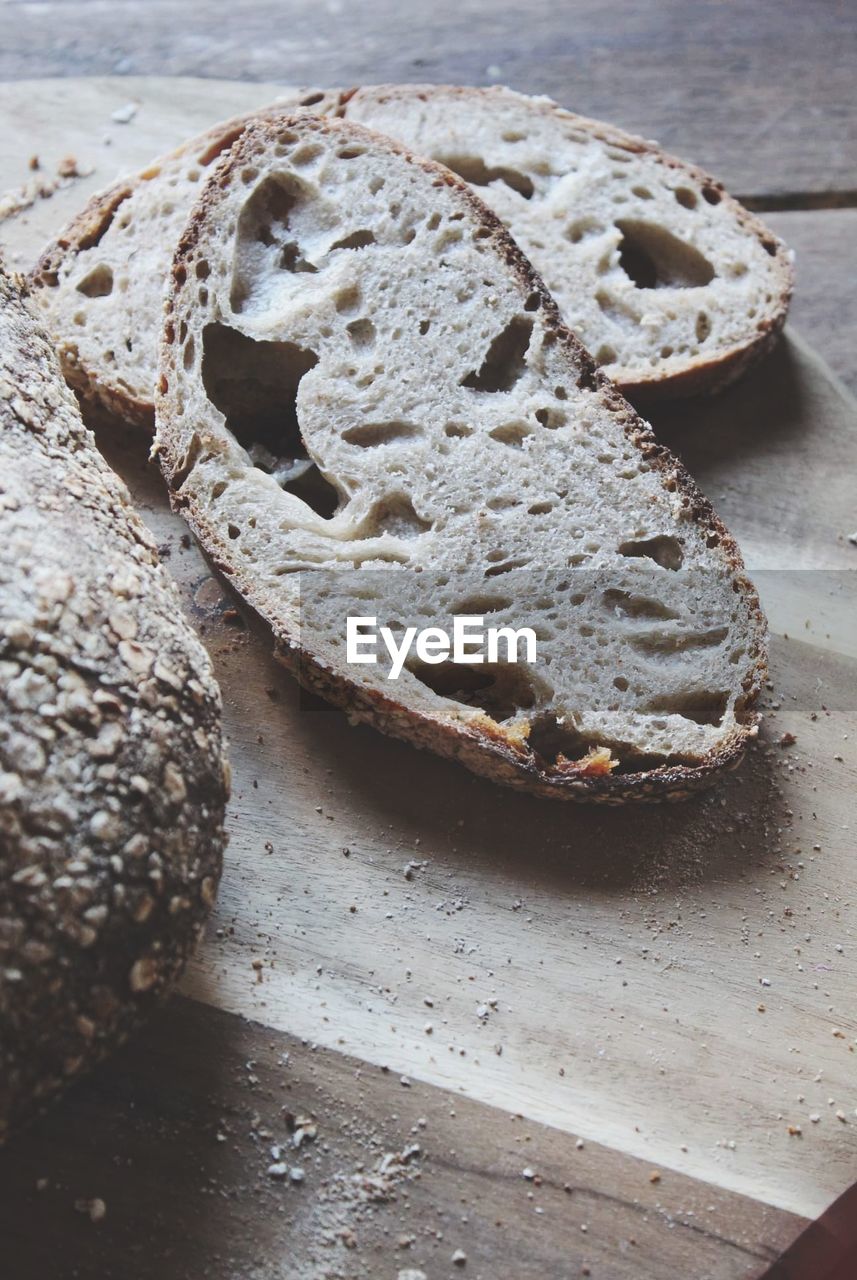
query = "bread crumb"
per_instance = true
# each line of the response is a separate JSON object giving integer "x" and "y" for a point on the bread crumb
{"x": 95, "y": 1208}
{"x": 125, "y": 114}
{"x": 597, "y": 763}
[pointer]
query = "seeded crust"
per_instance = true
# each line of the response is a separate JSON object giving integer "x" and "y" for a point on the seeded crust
{"x": 116, "y": 387}
{"x": 113, "y": 779}
{"x": 484, "y": 746}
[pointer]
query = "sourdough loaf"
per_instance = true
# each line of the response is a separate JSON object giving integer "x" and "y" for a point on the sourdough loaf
{"x": 112, "y": 774}
{"x": 368, "y": 405}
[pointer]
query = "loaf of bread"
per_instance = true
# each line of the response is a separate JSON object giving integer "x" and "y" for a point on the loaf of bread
{"x": 673, "y": 286}
{"x": 368, "y": 406}
{"x": 112, "y": 774}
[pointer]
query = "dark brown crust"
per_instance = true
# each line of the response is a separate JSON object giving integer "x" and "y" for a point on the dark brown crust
{"x": 112, "y": 776}
{"x": 702, "y": 375}
{"x": 488, "y": 754}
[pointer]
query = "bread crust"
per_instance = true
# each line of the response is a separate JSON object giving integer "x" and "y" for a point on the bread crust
{"x": 488, "y": 752}
{"x": 113, "y": 779}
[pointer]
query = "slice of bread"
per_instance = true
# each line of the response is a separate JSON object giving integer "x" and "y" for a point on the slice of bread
{"x": 672, "y": 285}
{"x": 99, "y": 286}
{"x": 361, "y": 371}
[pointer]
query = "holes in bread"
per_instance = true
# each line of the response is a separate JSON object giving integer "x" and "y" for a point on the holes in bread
{"x": 670, "y": 642}
{"x": 97, "y": 283}
{"x": 505, "y": 361}
{"x": 552, "y": 737}
{"x": 653, "y": 258}
{"x": 368, "y": 435}
{"x": 663, "y": 549}
{"x": 291, "y": 259}
{"x": 581, "y": 228}
{"x": 703, "y": 326}
{"x": 506, "y": 566}
{"x": 699, "y": 705}
{"x": 361, "y": 332}
{"x": 457, "y": 430}
{"x": 348, "y": 299}
{"x": 474, "y": 170}
{"x": 394, "y": 515}
{"x": 355, "y": 240}
{"x": 481, "y": 604}
{"x": 500, "y": 689}
{"x": 711, "y": 194}
{"x": 263, "y": 237}
{"x": 627, "y": 605}
{"x": 512, "y": 434}
{"x": 551, "y": 418}
{"x": 686, "y": 197}
{"x": 306, "y": 153}
{"x": 186, "y": 462}
{"x": 255, "y": 384}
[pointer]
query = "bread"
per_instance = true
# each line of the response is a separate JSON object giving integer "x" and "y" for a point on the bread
{"x": 587, "y": 203}
{"x": 98, "y": 287}
{"x": 361, "y": 371}
{"x": 672, "y": 285}
{"x": 112, "y": 774}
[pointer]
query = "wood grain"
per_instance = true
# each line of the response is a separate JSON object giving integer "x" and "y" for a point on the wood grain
{"x": 175, "y": 1137}
{"x": 758, "y": 91}
{"x": 824, "y": 308}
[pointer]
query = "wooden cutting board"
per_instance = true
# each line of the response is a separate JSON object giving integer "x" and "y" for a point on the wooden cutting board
{"x": 675, "y": 983}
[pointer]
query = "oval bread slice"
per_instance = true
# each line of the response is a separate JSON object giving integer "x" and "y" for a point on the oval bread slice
{"x": 672, "y": 285}
{"x": 113, "y": 780}
{"x": 368, "y": 404}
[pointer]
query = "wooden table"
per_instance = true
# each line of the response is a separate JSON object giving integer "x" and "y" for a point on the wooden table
{"x": 623, "y": 1043}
